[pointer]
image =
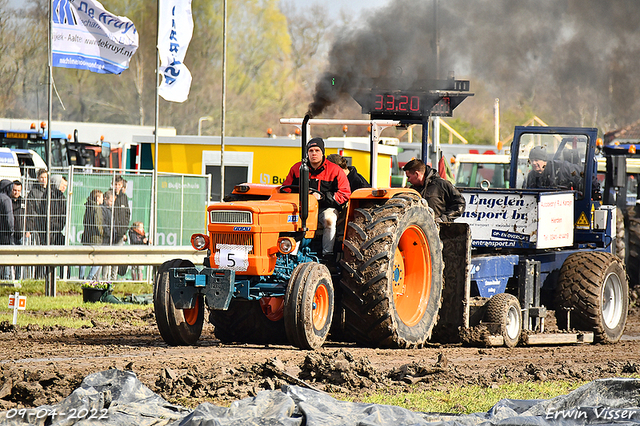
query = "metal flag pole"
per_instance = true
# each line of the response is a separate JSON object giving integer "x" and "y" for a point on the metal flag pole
{"x": 50, "y": 284}
{"x": 154, "y": 184}
{"x": 224, "y": 96}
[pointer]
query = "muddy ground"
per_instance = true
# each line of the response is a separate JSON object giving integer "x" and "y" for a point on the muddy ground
{"x": 43, "y": 366}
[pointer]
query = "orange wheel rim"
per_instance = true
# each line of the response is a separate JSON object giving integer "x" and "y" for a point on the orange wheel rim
{"x": 320, "y": 307}
{"x": 411, "y": 279}
{"x": 191, "y": 315}
{"x": 273, "y": 307}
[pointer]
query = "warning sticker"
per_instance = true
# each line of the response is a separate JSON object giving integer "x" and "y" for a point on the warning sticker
{"x": 582, "y": 222}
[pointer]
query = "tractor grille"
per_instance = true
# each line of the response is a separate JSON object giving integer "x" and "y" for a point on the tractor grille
{"x": 230, "y": 216}
{"x": 233, "y": 239}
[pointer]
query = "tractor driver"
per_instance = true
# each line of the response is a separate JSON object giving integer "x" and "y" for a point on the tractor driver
{"x": 444, "y": 199}
{"x": 547, "y": 173}
{"x": 333, "y": 186}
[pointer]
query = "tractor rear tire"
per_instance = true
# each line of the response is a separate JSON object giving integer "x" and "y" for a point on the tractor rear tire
{"x": 177, "y": 327}
{"x": 504, "y": 309}
{"x": 392, "y": 273}
{"x": 593, "y": 290}
{"x": 632, "y": 228}
{"x": 245, "y": 322}
{"x": 308, "y": 305}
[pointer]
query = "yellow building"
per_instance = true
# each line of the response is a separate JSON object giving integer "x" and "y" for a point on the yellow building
{"x": 257, "y": 160}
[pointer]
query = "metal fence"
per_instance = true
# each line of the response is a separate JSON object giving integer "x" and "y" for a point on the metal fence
{"x": 88, "y": 206}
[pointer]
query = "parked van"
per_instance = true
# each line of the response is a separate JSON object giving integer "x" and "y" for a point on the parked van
{"x": 471, "y": 170}
{"x": 19, "y": 164}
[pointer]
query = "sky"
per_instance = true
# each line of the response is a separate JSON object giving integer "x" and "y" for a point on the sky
{"x": 334, "y": 6}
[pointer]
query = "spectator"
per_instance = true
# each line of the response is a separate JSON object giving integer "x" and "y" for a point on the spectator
{"x": 137, "y": 236}
{"x": 58, "y": 210}
{"x": 107, "y": 208}
{"x": 444, "y": 199}
{"x": 121, "y": 218}
{"x": 94, "y": 228}
{"x": 18, "y": 213}
{"x": 356, "y": 180}
{"x": 6, "y": 221}
{"x": 109, "y": 272}
{"x": 6, "y": 213}
{"x": 37, "y": 211}
{"x": 18, "y": 219}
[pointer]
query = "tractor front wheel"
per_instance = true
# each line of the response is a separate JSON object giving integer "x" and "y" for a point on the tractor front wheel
{"x": 177, "y": 326}
{"x": 308, "y": 305}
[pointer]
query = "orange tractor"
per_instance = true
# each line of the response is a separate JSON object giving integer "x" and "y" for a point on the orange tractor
{"x": 263, "y": 280}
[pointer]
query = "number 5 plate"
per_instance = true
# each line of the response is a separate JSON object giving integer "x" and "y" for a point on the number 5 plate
{"x": 232, "y": 257}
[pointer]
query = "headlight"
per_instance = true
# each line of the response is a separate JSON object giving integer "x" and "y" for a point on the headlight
{"x": 286, "y": 245}
{"x": 200, "y": 241}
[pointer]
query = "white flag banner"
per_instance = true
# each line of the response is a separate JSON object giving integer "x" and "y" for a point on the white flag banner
{"x": 174, "y": 35}
{"x": 86, "y": 36}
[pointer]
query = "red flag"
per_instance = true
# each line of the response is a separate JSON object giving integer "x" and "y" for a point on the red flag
{"x": 442, "y": 171}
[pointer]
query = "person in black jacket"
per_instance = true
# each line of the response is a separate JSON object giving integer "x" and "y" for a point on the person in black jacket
{"x": 37, "y": 211}
{"x": 6, "y": 221}
{"x": 546, "y": 173}
{"x": 444, "y": 199}
{"x": 58, "y": 210}
{"x": 121, "y": 215}
{"x": 356, "y": 180}
{"x": 94, "y": 228}
{"x": 6, "y": 213}
{"x": 137, "y": 236}
{"x": 19, "y": 207}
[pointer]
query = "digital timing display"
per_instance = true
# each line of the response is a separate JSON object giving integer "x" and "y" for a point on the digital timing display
{"x": 396, "y": 102}
{"x": 424, "y": 98}
{"x": 400, "y": 104}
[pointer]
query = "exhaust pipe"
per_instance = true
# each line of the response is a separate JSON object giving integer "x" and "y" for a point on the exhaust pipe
{"x": 304, "y": 176}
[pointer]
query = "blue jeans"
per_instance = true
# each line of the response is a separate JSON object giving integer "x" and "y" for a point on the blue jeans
{"x": 93, "y": 273}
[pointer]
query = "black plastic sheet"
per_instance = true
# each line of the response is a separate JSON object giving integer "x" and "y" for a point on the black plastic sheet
{"x": 118, "y": 398}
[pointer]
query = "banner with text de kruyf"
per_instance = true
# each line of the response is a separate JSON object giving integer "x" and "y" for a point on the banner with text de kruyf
{"x": 85, "y": 36}
{"x": 174, "y": 35}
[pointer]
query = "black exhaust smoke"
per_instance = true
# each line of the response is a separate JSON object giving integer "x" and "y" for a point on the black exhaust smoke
{"x": 530, "y": 54}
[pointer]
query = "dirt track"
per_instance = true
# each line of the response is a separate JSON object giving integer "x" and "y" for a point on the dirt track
{"x": 44, "y": 366}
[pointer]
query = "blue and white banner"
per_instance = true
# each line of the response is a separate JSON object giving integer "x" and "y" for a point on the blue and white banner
{"x": 174, "y": 35}
{"x": 86, "y": 36}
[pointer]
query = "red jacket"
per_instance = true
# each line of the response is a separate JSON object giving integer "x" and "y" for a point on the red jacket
{"x": 328, "y": 179}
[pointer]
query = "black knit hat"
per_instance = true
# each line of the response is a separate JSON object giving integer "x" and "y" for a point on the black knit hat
{"x": 316, "y": 142}
{"x": 538, "y": 153}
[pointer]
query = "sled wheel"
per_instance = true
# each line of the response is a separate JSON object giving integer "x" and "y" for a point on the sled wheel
{"x": 177, "y": 326}
{"x": 593, "y": 291}
{"x": 504, "y": 309}
{"x": 392, "y": 273}
{"x": 309, "y": 304}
